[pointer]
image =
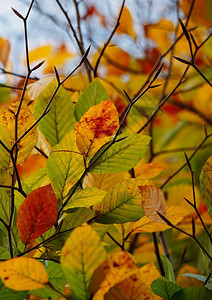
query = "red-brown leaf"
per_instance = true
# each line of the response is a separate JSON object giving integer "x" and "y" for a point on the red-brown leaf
{"x": 37, "y": 214}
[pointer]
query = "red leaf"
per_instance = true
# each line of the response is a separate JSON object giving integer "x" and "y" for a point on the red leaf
{"x": 37, "y": 214}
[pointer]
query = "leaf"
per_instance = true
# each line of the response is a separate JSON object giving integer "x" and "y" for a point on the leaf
{"x": 186, "y": 282}
{"x": 96, "y": 127}
{"x": 130, "y": 288}
{"x": 169, "y": 272}
{"x": 34, "y": 89}
{"x": 37, "y": 214}
{"x": 165, "y": 288}
{"x": 23, "y": 273}
{"x": 60, "y": 119}
{"x": 75, "y": 219}
{"x": 80, "y": 256}
{"x": 149, "y": 273}
{"x": 153, "y": 202}
{"x": 119, "y": 266}
{"x": 5, "y": 215}
{"x": 148, "y": 171}
{"x": 174, "y": 214}
{"x": 5, "y": 137}
{"x": 121, "y": 156}
{"x": 194, "y": 293}
{"x": 200, "y": 278}
{"x": 206, "y": 184}
{"x": 25, "y": 120}
{"x": 8, "y": 294}
{"x": 92, "y": 95}
{"x": 121, "y": 204}
{"x": 126, "y": 23}
{"x": 85, "y": 198}
{"x": 65, "y": 165}
{"x": 56, "y": 278}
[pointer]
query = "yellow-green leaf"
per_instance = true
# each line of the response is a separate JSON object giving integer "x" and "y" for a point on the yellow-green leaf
{"x": 65, "y": 165}
{"x": 60, "y": 119}
{"x": 85, "y": 198}
{"x": 23, "y": 273}
{"x": 121, "y": 156}
{"x": 206, "y": 184}
{"x": 122, "y": 203}
{"x": 80, "y": 256}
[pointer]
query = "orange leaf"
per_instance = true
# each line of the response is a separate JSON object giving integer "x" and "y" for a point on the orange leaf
{"x": 153, "y": 201}
{"x": 96, "y": 127}
{"x": 116, "y": 268}
{"x": 126, "y": 23}
{"x": 37, "y": 214}
{"x": 148, "y": 171}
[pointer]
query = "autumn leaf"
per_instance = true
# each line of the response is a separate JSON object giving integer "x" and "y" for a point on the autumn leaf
{"x": 65, "y": 165}
{"x": 116, "y": 268}
{"x": 37, "y": 214}
{"x": 25, "y": 120}
{"x": 121, "y": 156}
{"x": 23, "y": 273}
{"x": 153, "y": 202}
{"x": 126, "y": 23}
{"x": 60, "y": 119}
{"x": 92, "y": 95}
{"x": 148, "y": 171}
{"x": 121, "y": 204}
{"x": 80, "y": 256}
{"x": 206, "y": 184}
{"x": 96, "y": 127}
{"x": 175, "y": 214}
{"x": 186, "y": 282}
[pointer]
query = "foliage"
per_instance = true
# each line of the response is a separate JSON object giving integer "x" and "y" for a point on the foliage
{"x": 106, "y": 189}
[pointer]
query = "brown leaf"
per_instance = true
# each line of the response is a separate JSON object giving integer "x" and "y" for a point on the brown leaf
{"x": 152, "y": 201}
{"x": 37, "y": 214}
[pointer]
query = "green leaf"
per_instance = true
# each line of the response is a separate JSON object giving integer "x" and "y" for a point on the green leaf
{"x": 193, "y": 293}
{"x": 122, "y": 203}
{"x": 5, "y": 215}
{"x": 169, "y": 272}
{"x": 85, "y": 198}
{"x": 56, "y": 278}
{"x": 164, "y": 288}
{"x": 6, "y": 138}
{"x": 60, "y": 119}
{"x": 77, "y": 218}
{"x": 121, "y": 156}
{"x": 206, "y": 184}
{"x": 80, "y": 256}
{"x": 9, "y": 294}
{"x": 65, "y": 165}
{"x": 201, "y": 278}
{"x": 4, "y": 254}
{"x": 92, "y": 95}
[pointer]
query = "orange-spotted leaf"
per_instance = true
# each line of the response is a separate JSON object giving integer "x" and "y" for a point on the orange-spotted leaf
{"x": 23, "y": 273}
{"x": 152, "y": 201}
{"x": 130, "y": 288}
{"x": 96, "y": 127}
{"x": 37, "y": 214}
{"x": 25, "y": 120}
{"x": 116, "y": 268}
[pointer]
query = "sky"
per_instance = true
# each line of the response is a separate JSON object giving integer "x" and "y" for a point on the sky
{"x": 42, "y": 30}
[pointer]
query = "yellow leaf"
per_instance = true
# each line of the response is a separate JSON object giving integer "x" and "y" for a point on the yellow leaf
{"x": 80, "y": 256}
{"x": 130, "y": 288}
{"x": 186, "y": 282}
{"x": 126, "y": 24}
{"x": 202, "y": 100}
{"x": 4, "y": 50}
{"x": 174, "y": 214}
{"x": 149, "y": 273}
{"x": 104, "y": 181}
{"x": 153, "y": 202}
{"x": 40, "y": 53}
{"x": 23, "y": 273}
{"x": 96, "y": 127}
{"x": 148, "y": 171}
{"x": 25, "y": 120}
{"x": 116, "y": 268}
